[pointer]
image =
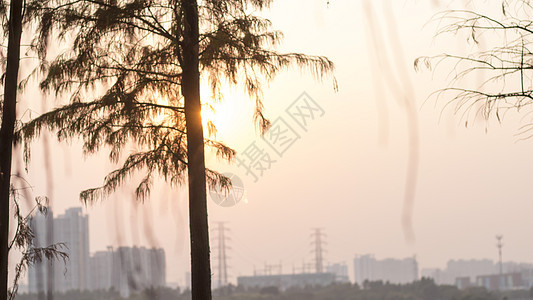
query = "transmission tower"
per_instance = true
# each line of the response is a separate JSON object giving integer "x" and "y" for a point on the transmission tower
{"x": 318, "y": 241}
{"x": 499, "y": 244}
{"x": 221, "y": 248}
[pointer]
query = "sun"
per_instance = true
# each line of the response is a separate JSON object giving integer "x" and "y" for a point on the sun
{"x": 226, "y": 114}
{"x": 217, "y": 114}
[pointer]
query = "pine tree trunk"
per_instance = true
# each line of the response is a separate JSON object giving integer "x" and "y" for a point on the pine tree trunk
{"x": 200, "y": 261}
{"x": 6, "y": 134}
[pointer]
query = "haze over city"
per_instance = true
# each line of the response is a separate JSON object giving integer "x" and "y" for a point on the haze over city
{"x": 346, "y": 171}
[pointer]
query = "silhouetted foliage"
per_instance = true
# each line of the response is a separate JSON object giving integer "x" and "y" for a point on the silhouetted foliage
{"x": 23, "y": 241}
{"x": 15, "y": 15}
{"x": 506, "y": 65}
{"x": 124, "y": 73}
{"x": 132, "y": 71}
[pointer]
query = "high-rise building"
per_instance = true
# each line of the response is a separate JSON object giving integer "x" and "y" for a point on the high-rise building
{"x": 71, "y": 229}
{"x": 127, "y": 269}
{"x": 101, "y": 270}
{"x": 38, "y": 272}
{"x": 367, "y": 267}
{"x": 138, "y": 268}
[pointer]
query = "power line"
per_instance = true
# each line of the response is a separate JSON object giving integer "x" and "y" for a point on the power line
{"x": 270, "y": 269}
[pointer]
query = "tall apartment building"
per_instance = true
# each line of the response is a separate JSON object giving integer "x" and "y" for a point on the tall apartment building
{"x": 138, "y": 268}
{"x": 127, "y": 269}
{"x": 38, "y": 272}
{"x": 101, "y": 270}
{"x": 367, "y": 267}
{"x": 71, "y": 229}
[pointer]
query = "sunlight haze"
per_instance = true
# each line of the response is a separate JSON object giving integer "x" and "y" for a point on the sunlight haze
{"x": 346, "y": 170}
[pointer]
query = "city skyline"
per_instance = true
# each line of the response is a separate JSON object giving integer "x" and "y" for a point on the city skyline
{"x": 309, "y": 265}
{"x": 126, "y": 269}
{"x": 346, "y": 173}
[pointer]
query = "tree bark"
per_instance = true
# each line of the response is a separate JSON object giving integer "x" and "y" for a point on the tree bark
{"x": 6, "y": 135}
{"x": 199, "y": 232}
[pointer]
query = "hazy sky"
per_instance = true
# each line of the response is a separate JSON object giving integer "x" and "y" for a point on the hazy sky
{"x": 346, "y": 172}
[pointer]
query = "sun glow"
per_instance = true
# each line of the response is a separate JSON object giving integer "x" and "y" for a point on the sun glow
{"x": 227, "y": 114}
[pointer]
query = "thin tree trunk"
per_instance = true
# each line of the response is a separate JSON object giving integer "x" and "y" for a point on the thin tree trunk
{"x": 200, "y": 261}
{"x": 6, "y": 134}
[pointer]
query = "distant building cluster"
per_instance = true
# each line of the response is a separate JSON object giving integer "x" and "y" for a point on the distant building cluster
{"x": 133, "y": 269}
{"x": 461, "y": 269}
{"x": 126, "y": 269}
{"x": 72, "y": 230}
{"x": 398, "y": 271}
{"x": 337, "y": 272}
{"x": 284, "y": 281}
{"x": 483, "y": 273}
{"x": 340, "y": 270}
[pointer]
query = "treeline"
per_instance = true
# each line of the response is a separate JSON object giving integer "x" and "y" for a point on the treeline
{"x": 424, "y": 289}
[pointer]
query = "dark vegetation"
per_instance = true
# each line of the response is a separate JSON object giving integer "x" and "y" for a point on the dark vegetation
{"x": 424, "y": 289}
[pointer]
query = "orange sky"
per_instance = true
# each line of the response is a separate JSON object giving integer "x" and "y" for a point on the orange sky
{"x": 346, "y": 172}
